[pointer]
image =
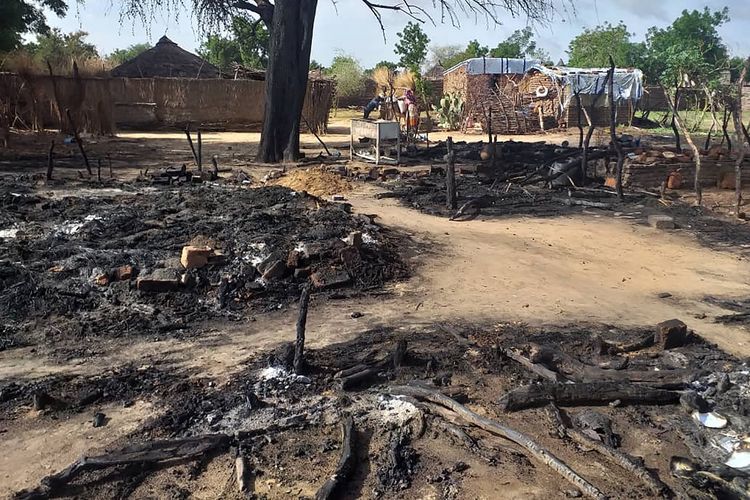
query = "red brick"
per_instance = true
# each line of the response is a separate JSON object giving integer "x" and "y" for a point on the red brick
{"x": 671, "y": 333}
{"x": 195, "y": 257}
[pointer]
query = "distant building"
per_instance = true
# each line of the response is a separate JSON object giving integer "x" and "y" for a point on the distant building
{"x": 166, "y": 60}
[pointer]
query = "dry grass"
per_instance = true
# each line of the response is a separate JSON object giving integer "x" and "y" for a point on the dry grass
{"x": 406, "y": 80}
{"x": 24, "y": 64}
{"x": 384, "y": 78}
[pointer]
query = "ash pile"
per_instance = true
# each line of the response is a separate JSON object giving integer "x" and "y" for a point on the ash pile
{"x": 159, "y": 260}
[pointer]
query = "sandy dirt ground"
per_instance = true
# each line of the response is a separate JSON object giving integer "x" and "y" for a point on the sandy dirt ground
{"x": 591, "y": 268}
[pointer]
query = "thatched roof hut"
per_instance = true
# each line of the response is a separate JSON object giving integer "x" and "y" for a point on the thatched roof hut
{"x": 166, "y": 60}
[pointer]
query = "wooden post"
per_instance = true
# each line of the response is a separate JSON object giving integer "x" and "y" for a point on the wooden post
{"x": 613, "y": 128}
{"x": 190, "y": 142}
{"x": 580, "y": 125}
{"x": 99, "y": 170}
{"x": 200, "y": 152}
{"x": 592, "y": 126}
{"x": 489, "y": 125}
{"x": 79, "y": 141}
{"x": 450, "y": 175}
{"x": 215, "y": 162}
{"x": 50, "y": 160}
{"x": 299, "y": 347}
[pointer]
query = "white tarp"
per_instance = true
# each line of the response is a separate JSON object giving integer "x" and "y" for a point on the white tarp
{"x": 628, "y": 84}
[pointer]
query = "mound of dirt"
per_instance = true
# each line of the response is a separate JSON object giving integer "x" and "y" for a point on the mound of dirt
{"x": 317, "y": 181}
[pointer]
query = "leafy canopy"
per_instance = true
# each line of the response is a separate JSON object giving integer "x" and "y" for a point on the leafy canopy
{"x": 412, "y": 46}
{"x": 62, "y": 49}
{"x": 348, "y": 73}
{"x": 120, "y": 56}
{"x": 592, "y": 48}
{"x": 246, "y": 44}
{"x": 19, "y": 17}
{"x": 690, "y": 50}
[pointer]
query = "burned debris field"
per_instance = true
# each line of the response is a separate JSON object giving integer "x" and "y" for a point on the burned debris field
{"x": 77, "y": 268}
{"x": 125, "y": 297}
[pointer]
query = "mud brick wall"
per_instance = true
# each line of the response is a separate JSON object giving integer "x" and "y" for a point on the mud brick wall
{"x": 101, "y": 104}
{"x": 651, "y": 176}
{"x": 455, "y": 83}
{"x": 654, "y": 100}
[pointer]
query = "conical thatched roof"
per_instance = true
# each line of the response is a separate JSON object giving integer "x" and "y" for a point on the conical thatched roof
{"x": 167, "y": 59}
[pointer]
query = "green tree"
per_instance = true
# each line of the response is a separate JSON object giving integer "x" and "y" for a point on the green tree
{"x": 220, "y": 51}
{"x": 386, "y": 64}
{"x": 412, "y": 46}
{"x": 119, "y": 56}
{"x": 688, "y": 53}
{"x": 592, "y": 48}
{"x": 519, "y": 44}
{"x": 690, "y": 49}
{"x": 348, "y": 73}
{"x": 246, "y": 44}
{"x": 253, "y": 39}
{"x": 19, "y": 17}
{"x": 315, "y": 65}
{"x": 62, "y": 49}
{"x": 474, "y": 49}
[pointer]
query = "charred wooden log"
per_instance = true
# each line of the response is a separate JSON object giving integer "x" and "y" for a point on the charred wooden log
{"x": 346, "y": 464}
{"x": 585, "y": 394}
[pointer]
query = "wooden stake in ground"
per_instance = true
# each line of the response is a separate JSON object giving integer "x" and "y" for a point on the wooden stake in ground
{"x": 580, "y": 125}
{"x": 347, "y": 461}
{"x": 215, "y": 162}
{"x": 541, "y": 454}
{"x": 190, "y": 143}
{"x": 693, "y": 147}
{"x": 200, "y": 152}
{"x": 738, "y": 127}
{"x": 592, "y": 126}
{"x": 450, "y": 175}
{"x": 613, "y": 128}
{"x": 99, "y": 170}
{"x": 299, "y": 346}
{"x": 50, "y": 160}
{"x": 77, "y": 137}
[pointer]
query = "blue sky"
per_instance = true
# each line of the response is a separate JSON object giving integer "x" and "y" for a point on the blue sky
{"x": 350, "y": 28}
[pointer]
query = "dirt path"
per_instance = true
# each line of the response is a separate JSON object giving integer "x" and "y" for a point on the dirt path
{"x": 562, "y": 270}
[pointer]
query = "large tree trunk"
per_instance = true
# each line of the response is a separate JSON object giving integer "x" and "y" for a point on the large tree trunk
{"x": 286, "y": 79}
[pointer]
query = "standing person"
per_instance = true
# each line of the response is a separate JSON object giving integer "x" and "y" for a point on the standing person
{"x": 373, "y": 105}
